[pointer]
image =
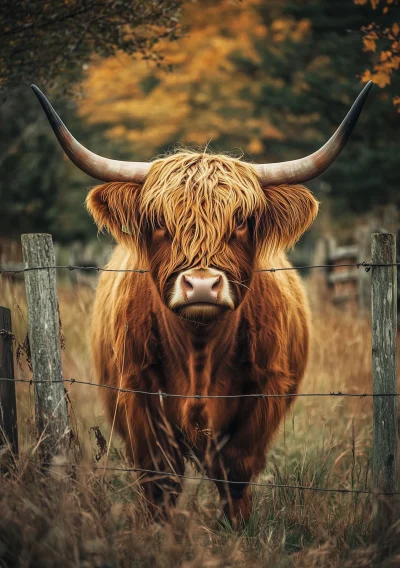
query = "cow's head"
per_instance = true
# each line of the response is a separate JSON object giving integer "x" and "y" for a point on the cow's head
{"x": 202, "y": 223}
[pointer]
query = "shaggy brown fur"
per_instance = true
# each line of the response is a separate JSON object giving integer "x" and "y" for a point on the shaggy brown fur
{"x": 184, "y": 216}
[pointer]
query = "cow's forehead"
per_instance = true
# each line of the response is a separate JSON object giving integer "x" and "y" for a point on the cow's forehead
{"x": 188, "y": 186}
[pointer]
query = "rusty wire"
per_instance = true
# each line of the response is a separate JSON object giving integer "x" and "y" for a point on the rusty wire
{"x": 366, "y": 265}
{"x": 212, "y": 479}
{"x": 7, "y": 334}
{"x": 231, "y": 482}
{"x": 71, "y": 268}
{"x": 200, "y": 396}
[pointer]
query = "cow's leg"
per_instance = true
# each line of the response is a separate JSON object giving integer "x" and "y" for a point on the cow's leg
{"x": 151, "y": 445}
{"x": 162, "y": 491}
{"x": 242, "y": 456}
{"x": 237, "y": 469}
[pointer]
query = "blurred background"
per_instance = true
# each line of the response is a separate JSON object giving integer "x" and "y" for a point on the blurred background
{"x": 267, "y": 79}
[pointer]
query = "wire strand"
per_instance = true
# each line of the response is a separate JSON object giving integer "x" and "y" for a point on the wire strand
{"x": 231, "y": 482}
{"x": 366, "y": 265}
{"x": 200, "y": 396}
{"x": 71, "y": 268}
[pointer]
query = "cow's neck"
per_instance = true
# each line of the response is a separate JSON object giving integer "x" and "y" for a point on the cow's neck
{"x": 199, "y": 349}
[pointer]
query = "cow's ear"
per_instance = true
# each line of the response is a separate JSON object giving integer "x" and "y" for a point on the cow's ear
{"x": 115, "y": 207}
{"x": 289, "y": 212}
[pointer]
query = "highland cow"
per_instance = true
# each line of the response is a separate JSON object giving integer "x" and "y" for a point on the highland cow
{"x": 204, "y": 320}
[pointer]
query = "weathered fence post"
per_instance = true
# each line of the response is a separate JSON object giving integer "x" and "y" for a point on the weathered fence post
{"x": 8, "y": 405}
{"x": 44, "y": 339}
{"x": 384, "y": 333}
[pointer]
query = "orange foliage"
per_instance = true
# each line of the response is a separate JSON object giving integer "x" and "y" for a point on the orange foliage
{"x": 374, "y": 3}
{"x": 197, "y": 94}
{"x": 377, "y": 39}
{"x": 151, "y": 107}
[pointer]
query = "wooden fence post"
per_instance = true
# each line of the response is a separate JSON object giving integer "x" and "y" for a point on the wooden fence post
{"x": 384, "y": 334}
{"x": 8, "y": 404}
{"x": 51, "y": 415}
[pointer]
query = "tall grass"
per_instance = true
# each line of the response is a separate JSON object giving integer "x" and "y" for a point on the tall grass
{"x": 81, "y": 517}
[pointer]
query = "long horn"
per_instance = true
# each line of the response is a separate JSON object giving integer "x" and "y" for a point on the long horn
{"x": 305, "y": 169}
{"x": 100, "y": 168}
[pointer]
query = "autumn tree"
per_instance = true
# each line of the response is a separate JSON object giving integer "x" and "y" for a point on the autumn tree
{"x": 193, "y": 101}
{"x": 272, "y": 79}
{"x": 52, "y": 44}
{"x": 382, "y": 38}
{"x": 307, "y": 85}
{"x": 44, "y": 41}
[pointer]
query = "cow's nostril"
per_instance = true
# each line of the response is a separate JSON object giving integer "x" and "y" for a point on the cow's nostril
{"x": 187, "y": 284}
{"x": 217, "y": 284}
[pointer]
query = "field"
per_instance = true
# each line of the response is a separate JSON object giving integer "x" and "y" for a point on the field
{"x": 76, "y": 516}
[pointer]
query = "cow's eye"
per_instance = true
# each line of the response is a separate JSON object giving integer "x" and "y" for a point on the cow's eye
{"x": 160, "y": 230}
{"x": 159, "y": 225}
{"x": 241, "y": 224}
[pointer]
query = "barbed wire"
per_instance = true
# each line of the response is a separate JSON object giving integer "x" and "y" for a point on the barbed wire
{"x": 201, "y": 396}
{"x": 7, "y": 333}
{"x": 228, "y": 481}
{"x": 366, "y": 265}
{"x": 70, "y": 268}
{"x": 213, "y": 479}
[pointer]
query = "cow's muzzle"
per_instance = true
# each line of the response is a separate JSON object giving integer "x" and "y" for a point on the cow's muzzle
{"x": 201, "y": 289}
{"x": 197, "y": 289}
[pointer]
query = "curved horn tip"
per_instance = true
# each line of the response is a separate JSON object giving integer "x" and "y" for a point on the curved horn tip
{"x": 367, "y": 87}
{"x": 96, "y": 166}
{"x": 40, "y": 96}
{"x": 308, "y": 168}
{"x": 36, "y": 89}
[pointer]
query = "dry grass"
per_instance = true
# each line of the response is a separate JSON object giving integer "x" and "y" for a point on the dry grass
{"x": 78, "y": 517}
